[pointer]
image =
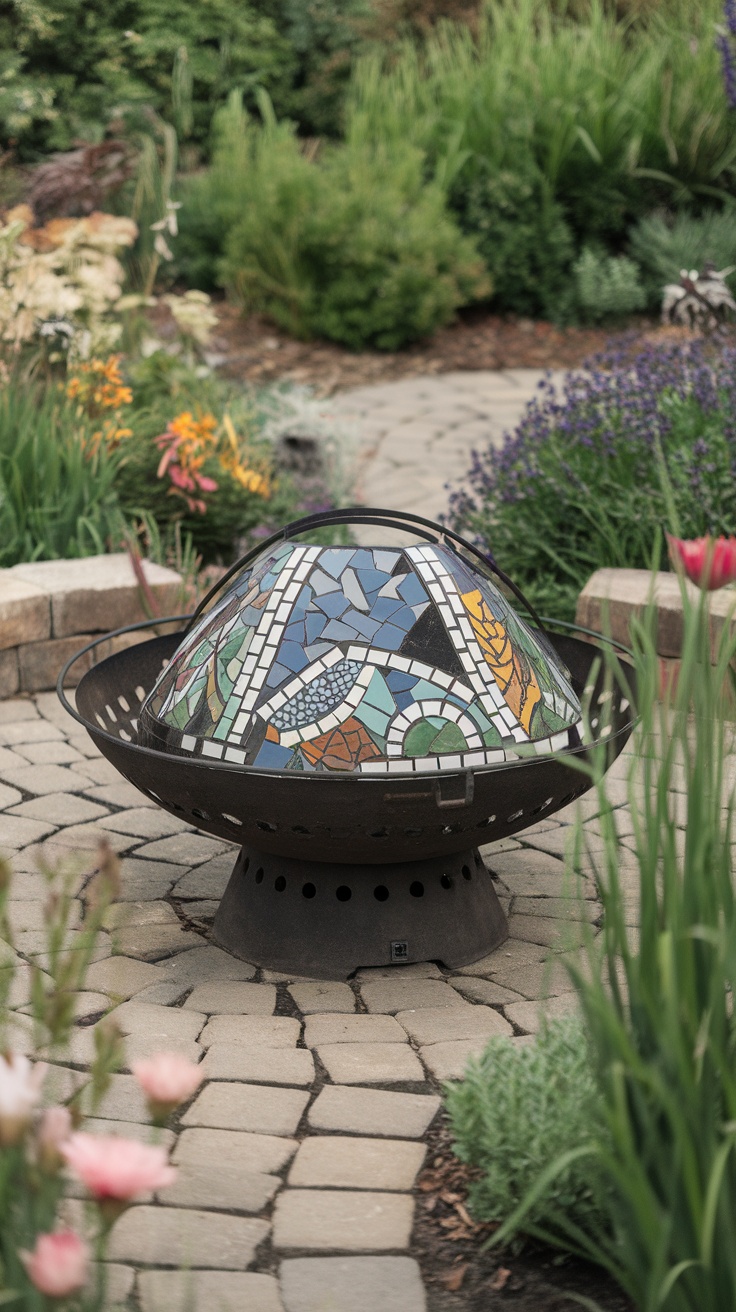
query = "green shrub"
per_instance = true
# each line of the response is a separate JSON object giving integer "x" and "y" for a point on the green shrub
{"x": 523, "y": 237}
{"x": 516, "y": 1112}
{"x": 664, "y": 244}
{"x": 353, "y": 246}
{"x": 57, "y": 496}
{"x": 608, "y": 286}
{"x": 577, "y": 486}
{"x": 616, "y": 119}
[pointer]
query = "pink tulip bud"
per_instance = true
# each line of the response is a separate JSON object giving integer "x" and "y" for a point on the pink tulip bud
{"x": 709, "y": 562}
{"x": 167, "y": 1080}
{"x": 55, "y": 1127}
{"x": 116, "y": 1168}
{"x": 58, "y": 1264}
{"x": 20, "y": 1090}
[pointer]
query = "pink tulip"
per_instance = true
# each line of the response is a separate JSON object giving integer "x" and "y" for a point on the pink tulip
{"x": 116, "y": 1168}
{"x": 709, "y": 562}
{"x": 167, "y": 1080}
{"x": 20, "y": 1090}
{"x": 55, "y": 1127}
{"x": 58, "y": 1264}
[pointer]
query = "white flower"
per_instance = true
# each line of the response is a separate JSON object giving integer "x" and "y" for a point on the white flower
{"x": 20, "y": 1089}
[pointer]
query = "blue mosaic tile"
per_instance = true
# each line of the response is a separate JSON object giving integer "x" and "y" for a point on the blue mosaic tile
{"x": 334, "y": 560}
{"x": 371, "y": 580}
{"x": 404, "y": 619}
{"x": 412, "y": 590}
{"x": 363, "y": 624}
{"x": 389, "y": 637}
{"x": 315, "y": 623}
{"x": 333, "y": 604}
{"x": 291, "y": 654}
{"x": 337, "y": 631}
{"x": 273, "y": 757}
{"x": 377, "y": 694}
{"x": 384, "y": 607}
{"x": 398, "y": 681}
{"x": 277, "y": 674}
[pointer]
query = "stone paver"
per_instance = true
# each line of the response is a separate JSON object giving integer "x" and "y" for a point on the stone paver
{"x": 389, "y": 996}
{"x": 373, "y": 1111}
{"x": 353, "y": 1284}
{"x": 443, "y": 1024}
{"x": 255, "y": 1107}
{"x": 122, "y": 977}
{"x": 370, "y": 1063}
{"x": 221, "y": 1185}
{"x": 344, "y": 1162}
{"x": 227, "y": 1061}
{"x": 252, "y": 1031}
{"x": 352, "y": 1029}
{"x": 320, "y": 997}
{"x": 448, "y": 1060}
{"x": 259, "y": 1153}
{"x": 179, "y": 1237}
{"x": 348, "y": 1221}
{"x": 233, "y": 997}
{"x": 220, "y": 1291}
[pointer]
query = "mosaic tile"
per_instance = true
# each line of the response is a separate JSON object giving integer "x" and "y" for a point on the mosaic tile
{"x": 331, "y": 658}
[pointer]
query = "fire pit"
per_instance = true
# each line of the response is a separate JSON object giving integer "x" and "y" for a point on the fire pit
{"x": 359, "y": 720}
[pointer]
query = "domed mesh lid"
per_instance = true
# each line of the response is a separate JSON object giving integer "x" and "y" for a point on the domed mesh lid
{"x": 361, "y": 659}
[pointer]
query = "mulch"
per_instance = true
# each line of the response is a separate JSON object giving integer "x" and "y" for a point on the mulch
{"x": 463, "y": 1276}
{"x": 253, "y": 350}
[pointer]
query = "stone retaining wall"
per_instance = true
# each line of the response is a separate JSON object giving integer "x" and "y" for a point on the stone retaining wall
{"x": 49, "y": 609}
{"x": 612, "y": 597}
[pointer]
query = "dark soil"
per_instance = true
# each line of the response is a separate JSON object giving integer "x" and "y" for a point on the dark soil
{"x": 461, "y": 1277}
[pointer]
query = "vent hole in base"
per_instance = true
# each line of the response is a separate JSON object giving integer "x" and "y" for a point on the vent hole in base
{"x": 259, "y": 875}
{"x": 416, "y": 889}
{"x": 446, "y": 881}
{"x": 309, "y": 890}
{"x": 343, "y": 893}
{"x": 279, "y": 884}
{"x": 467, "y": 873}
{"x": 380, "y": 893}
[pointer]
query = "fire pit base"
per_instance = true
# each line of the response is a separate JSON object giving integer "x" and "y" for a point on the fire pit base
{"x": 328, "y": 920}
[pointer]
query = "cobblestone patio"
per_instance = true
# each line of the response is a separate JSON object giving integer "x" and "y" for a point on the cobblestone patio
{"x": 298, "y": 1156}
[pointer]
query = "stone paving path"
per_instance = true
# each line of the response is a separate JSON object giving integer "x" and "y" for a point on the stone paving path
{"x": 298, "y": 1155}
{"x": 416, "y": 435}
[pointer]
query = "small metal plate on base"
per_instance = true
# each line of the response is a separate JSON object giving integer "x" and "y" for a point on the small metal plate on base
{"x": 328, "y": 920}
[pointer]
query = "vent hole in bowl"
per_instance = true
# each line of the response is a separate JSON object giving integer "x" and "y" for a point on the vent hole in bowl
{"x": 266, "y": 826}
{"x": 201, "y": 815}
{"x": 467, "y": 872}
{"x": 308, "y": 890}
{"x": 300, "y": 829}
{"x": 515, "y": 815}
{"x": 343, "y": 893}
{"x": 446, "y": 881}
{"x": 259, "y": 875}
{"x": 279, "y": 883}
{"x": 378, "y": 833}
{"x": 416, "y": 889}
{"x": 232, "y": 819}
{"x": 140, "y": 693}
{"x": 543, "y": 805}
{"x": 380, "y": 893}
{"x": 483, "y": 824}
{"x": 123, "y": 704}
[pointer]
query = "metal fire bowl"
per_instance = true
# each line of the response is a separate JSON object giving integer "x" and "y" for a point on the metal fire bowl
{"x": 339, "y": 871}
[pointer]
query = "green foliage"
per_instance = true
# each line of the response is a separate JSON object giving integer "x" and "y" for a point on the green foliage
{"x": 657, "y": 1004}
{"x": 353, "y": 246}
{"x": 663, "y": 244}
{"x": 522, "y": 235}
{"x": 85, "y": 61}
{"x": 608, "y": 286}
{"x": 57, "y": 499}
{"x": 516, "y": 1112}
{"x": 614, "y": 120}
{"x": 577, "y": 488}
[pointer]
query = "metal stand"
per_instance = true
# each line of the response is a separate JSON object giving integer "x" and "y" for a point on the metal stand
{"x": 328, "y": 920}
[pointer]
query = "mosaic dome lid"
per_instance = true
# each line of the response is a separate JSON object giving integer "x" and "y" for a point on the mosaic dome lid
{"x": 361, "y": 659}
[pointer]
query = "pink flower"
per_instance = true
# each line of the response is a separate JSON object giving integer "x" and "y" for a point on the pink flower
{"x": 55, "y": 1128}
{"x": 112, "y": 1167}
{"x": 167, "y": 1080}
{"x": 58, "y": 1264}
{"x": 709, "y": 562}
{"x": 20, "y": 1090}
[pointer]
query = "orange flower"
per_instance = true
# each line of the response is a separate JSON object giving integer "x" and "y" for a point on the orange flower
{"x": 186, "y": 445}
{"x": 230, "y": 461}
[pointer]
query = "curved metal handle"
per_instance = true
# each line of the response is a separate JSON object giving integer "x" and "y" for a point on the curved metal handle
{"x": 398, "y": 519}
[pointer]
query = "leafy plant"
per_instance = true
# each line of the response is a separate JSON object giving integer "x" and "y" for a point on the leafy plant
{"x": 354, "y": 246}
{"x": 516, "y": 1112}
{"x": 658, "y": 1005}
{"x": 57, "y": 483}
{"x": 576, "y": 487}
{"x": 608, "y": 286}
{"x": 663, "y": 244}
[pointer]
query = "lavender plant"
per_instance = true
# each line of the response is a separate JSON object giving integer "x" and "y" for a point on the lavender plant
{"x": 726, "y": 44}
{"x": 576, "y": 486}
